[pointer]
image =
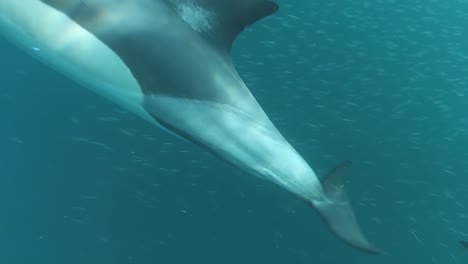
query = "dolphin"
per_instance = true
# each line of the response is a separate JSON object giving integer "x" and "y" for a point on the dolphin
{"x": 169, "y": 62}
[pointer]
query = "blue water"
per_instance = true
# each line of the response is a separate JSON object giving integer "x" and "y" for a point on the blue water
{"x": 383, "y": 83}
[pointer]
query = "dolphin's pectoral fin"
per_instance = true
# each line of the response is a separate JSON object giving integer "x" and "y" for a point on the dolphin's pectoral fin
{"x": 230, "y": 17}
{"x": 338, "y": 213}
{"x": 247, "y": 12}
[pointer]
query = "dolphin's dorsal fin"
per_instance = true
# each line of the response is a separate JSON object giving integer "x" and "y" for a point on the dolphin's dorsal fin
{"x": 224, "y": 19}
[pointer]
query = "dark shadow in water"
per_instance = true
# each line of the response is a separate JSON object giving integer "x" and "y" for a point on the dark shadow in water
{"x": 464, "y": 244}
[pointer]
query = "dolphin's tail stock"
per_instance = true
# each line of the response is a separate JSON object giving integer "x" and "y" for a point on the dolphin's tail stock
{"x": 337, "y": 212}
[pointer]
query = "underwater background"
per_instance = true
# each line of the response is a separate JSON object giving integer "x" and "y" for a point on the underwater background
{"x": 383, "y": 83}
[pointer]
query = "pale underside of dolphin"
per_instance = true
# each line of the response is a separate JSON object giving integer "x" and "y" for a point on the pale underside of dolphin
{"x": 168, "y": 61}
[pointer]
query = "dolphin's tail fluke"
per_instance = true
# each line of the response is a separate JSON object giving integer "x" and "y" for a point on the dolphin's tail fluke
{"x": 336, "y": 211}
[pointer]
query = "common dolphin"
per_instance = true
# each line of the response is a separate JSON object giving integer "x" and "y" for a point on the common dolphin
{"x": 169, "y": 62}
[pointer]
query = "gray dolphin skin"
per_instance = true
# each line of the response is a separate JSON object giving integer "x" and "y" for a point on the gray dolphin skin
{"x": 169, "y": 62}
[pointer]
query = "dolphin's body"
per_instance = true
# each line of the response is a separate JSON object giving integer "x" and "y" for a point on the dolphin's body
{"x": 168, "y": 61}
